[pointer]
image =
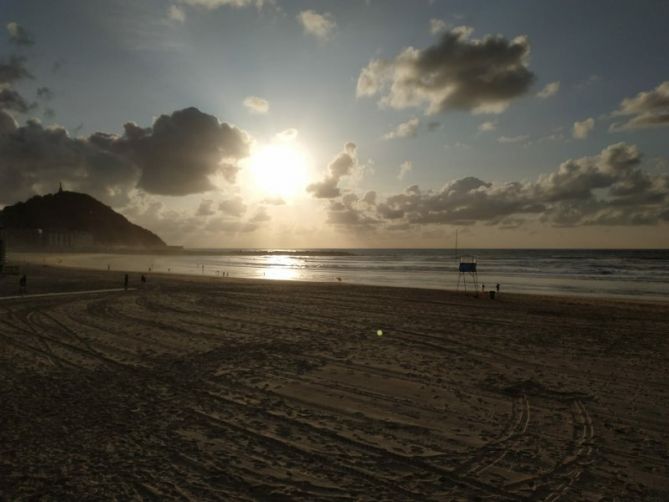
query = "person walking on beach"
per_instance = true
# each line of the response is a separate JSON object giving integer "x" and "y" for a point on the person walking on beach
{"x": 23, "y": 282}
{"x": 143, "y": 279}
{"x": 497, "y": 288}
{"x": 482, "y": 288}
{"x": 125, "y": 282}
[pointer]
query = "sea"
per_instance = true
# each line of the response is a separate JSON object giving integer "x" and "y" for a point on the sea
{"x": 640, "y": 274}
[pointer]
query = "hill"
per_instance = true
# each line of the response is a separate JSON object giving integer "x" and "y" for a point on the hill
{"x": 75, "y": 214}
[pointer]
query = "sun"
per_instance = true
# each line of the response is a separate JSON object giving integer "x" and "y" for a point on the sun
{"x": 279, "y": 169}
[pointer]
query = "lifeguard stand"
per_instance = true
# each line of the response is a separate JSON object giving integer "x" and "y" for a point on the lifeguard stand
{"x": 467, "y": 273}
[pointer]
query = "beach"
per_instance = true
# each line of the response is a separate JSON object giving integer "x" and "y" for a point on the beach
{"x": 207, "y": 388}
{"x": 621, "y": 273}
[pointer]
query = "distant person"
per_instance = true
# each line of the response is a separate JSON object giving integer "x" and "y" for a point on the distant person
{"x": 23, "y": 284}
{"x": 483, "y": 288}
{"x": 143, "y": 279}
{"x": 125, "y": 282}
{"x": 497, "y": 287}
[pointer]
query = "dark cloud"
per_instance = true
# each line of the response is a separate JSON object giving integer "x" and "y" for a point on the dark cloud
{"x": 7, "y": 123}
{"x": 206, "y": 208}
{"x": 352, "y": 212}
{"x": 645, "y": 110}
{"x": 18, "y": 35}
{"x": 370, "y": 198}
{"x": 229, "y": 172}
{"x": 176, "y": 156}
{"x": 13, "y": 70}
{"x": 342, "y": 165}
{"x": 13, "y": 101}
{"x": 233, "y": 207}
{"x": 605, "y": 189}
{"x": 181, "y": 151}
{"x": 44, "y": 93}
{"x": 458, "y": 73}
{"x": 34, "y": 159}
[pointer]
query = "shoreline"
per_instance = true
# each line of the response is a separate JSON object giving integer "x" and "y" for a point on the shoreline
{"x": 556, "y": 294}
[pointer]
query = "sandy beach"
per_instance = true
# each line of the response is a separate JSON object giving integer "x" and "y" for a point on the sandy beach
{"x": 228, "y": 389}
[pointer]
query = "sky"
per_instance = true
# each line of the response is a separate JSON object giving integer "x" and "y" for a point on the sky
{"x": 345, "y": 123}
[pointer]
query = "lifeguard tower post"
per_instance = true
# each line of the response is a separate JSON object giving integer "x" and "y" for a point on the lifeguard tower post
{"x": 467, "y": 273}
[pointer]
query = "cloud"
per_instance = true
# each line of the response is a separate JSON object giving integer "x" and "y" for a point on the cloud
{"x": 320, "y": 26}
{"x": 175, "y": 227}
{"x": 646, "y": 110}
{"x": 287, "y": 135}
{"x": 13, "y": 101}
{"x": 18, "y": 35}
{"x": 13, "y": 70}
{"x": 342, "y": 165}
{"x": 7, "y": 123}
{"x": 206, "y": 208}
{"x": 181, "y": 151}
{"x": 176, "y": 13}
{"x": 351, "y": 212}
{"x": 215, "y": 4}
{"x": 229, "y": 171}
{"x": 44, "y": 93}
{"x": 582, "y": 129}
{"x": 260, "y": 216}
{"x": 233, "y": 207}
{"x": 437, "y": 26}
{"x": 254, "y": 104}
{"x": 406, "y": 129}
{"x": 490, "y": 125}
{"x": 273, "y": 201}
{"x": 549, "y": 90}
{"x": 176, "y": 156}
{"x": 370, "y": 198}
{"x": 34, "y": 159}
{"x": 609, "y": 188}
{"x": 405, "y": 167}
{"x": 218, "y": 225}
{"x": 513, "y": 139}
{"x": 457, "y": 73}
{"x": 584, "y": 84}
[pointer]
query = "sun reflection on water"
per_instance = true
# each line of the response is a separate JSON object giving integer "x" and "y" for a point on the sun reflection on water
{"x": 281, "y": 268}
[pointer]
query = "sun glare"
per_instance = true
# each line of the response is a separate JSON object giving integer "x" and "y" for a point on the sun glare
{"x": 279, "y": 169}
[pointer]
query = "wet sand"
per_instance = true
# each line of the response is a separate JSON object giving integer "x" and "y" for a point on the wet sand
{"x": 236, "y": 389}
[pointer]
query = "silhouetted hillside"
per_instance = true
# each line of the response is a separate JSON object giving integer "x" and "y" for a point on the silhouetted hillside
{"x": 77, "y": 212}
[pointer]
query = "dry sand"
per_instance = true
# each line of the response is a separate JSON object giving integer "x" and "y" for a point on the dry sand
{"x": 230, "y": 389}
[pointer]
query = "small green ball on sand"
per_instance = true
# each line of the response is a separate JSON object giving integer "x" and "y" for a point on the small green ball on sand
{"x": 379, "y": 332}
